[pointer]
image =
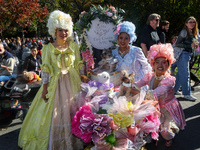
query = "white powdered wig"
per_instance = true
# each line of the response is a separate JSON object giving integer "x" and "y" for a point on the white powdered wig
{"x": 59, "y": 19}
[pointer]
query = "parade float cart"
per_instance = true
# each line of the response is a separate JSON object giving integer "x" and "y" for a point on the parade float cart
{"x": 96, "y": 31}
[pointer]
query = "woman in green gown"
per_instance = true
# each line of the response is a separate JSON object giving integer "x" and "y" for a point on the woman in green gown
{"x": 47, "y": 124}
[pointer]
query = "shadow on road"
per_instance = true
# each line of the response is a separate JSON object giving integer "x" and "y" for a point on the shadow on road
{"x": 9, "y": 141}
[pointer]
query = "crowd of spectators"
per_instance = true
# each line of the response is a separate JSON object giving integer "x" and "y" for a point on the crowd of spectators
{"x": 26, "y": 53}
{"x": 20, "y": 47}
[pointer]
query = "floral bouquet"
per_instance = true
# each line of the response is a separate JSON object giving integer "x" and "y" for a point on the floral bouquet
{"x": 108, "y": 14}
{"x": 138, "y": 120}
{"x": 109, "y": 125}
{"x": 88, "y": 61}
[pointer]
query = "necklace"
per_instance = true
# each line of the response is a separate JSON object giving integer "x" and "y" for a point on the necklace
{"x": 159, "y": 77}
{"x": 122, "y": 53}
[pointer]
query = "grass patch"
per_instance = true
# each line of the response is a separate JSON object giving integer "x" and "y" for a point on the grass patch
{"x": 195, "y": 70}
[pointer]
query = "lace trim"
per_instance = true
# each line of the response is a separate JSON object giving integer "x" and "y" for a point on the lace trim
{"x": 159, "y": 77}
{"x": 149, "y": 95}
{"x": 45, "y": 77}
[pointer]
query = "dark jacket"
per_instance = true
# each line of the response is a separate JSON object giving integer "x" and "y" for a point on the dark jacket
{"x": 150, "y": 37}
{"x": 30, "y": 63}
{"x": 7, "y": 60}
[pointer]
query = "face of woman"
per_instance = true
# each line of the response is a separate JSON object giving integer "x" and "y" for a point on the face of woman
{"x": 62, "y": 34}
{"x": 161, "y": 66}
{"x": 191, "y": 24}
{"x": 34, "y": 52}
{"x": 123, "y": 40}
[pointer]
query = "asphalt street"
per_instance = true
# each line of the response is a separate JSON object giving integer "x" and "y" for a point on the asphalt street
{"x": 188, "y": 139}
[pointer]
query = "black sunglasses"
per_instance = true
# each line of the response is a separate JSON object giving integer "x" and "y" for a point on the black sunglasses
{"x": 192, "y": 22}
{"x": 156, "y": 20}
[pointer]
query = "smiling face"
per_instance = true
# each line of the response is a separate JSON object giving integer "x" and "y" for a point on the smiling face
{"x": 62, "y": 34}
{"x": 160, "y": 66}
{"x": 155, "y": 22}
{"x": 123, "y": 40}
{"x": 190, "y": 24}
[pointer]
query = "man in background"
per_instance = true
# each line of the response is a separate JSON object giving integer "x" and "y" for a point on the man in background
{"x": 7, "y": 63}
{"x": 164, "y": 30}
{"x": 149, "y": 34}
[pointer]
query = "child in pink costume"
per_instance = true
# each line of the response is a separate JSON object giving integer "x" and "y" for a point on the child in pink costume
{"x": 161, "y": 88}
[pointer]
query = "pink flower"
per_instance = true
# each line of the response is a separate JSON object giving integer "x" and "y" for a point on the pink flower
{"x": 82, "y": 13}
{"x": 113, "y": 8}
{"x": 114, "y": 126}
{"x": 78, "y": 127}
{"x": 154, "y": 135}
{"x": 151, "y": 125}
{"x": 133, "y": 130}
{"x": 118, "y": 29}
{"x": 88, "y": 58}
{"x": 154, "y": 53}
{"x": 153, "y": 119}
{"x": 109, "y": 14}
{"x": 114, "y": 17}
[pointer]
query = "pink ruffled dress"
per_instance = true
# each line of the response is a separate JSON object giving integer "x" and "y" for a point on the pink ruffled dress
{"x": 164, "y": 93}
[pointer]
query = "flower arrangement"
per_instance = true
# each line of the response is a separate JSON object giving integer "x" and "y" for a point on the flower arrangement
{"x": 114, "y": 120}
{"x": 88, "y": 125}
{"x": 105, "y": 14}
{"x": 89, "y": 61}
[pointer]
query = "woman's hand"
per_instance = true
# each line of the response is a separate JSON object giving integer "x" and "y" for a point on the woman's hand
{"x": 195, "y": 45}
{"x": 84, "y": 78}
{"x": 44, "y": 92}
{"x": 134, "y": 89}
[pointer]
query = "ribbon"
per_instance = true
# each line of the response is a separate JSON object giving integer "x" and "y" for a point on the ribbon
{"x": 68, "y": 56}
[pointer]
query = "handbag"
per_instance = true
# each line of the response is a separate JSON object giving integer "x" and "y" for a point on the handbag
{"x": 177, "y": 52}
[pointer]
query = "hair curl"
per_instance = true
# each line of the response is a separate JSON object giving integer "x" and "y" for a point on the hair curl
{"x": 129, "y": 28}
{"x": 161, "y": 50}
{"x": 59, "y": 19}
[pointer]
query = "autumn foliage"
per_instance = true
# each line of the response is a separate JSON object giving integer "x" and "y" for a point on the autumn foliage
{"x": 20, "y": 12}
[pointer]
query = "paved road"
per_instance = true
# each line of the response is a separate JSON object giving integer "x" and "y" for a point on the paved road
{"x": 188, "y": 139}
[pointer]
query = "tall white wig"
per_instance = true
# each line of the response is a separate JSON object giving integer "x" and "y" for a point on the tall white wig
{"x": 59, "y": 19}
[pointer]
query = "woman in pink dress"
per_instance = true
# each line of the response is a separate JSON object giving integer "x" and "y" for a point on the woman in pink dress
{"x": 161, "y": 88}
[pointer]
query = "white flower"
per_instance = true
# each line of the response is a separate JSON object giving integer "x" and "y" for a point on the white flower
{"x": 109, "y": 14}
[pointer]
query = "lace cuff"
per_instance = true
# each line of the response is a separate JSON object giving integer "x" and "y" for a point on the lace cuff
{"x": 149, "y": 95}
{"x": 45, "y": 77}
{"x": 134, "y": 85}
{"x": 82, "y": 70}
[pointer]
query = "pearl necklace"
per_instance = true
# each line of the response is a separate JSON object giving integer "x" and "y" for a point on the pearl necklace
{"x": 159, "y": 77}
{"x": 122, "y": 53}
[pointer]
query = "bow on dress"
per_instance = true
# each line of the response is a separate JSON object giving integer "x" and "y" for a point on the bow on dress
{"x": 67, "y": 59}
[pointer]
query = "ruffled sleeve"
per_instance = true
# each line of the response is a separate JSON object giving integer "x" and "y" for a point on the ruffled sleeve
{"x": 45, "y": 77}
{"x": 78, "y": 62}
{"x": 165, "y": 86}
{"x": 145, "y": 80}
{"x": 46, "y": 60}
{"x": 144, "y": 65}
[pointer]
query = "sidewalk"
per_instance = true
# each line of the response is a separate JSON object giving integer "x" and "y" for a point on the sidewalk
{"x": 188, "y": 139}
